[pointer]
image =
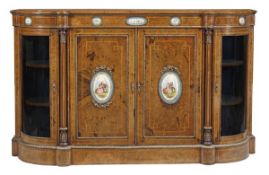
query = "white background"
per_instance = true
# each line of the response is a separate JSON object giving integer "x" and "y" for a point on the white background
{"x": 254, "y": 164}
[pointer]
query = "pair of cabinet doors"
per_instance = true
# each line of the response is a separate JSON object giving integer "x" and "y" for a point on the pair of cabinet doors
{"x": 135, "y": 86}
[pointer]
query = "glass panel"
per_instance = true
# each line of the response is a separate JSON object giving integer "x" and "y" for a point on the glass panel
{"x": 36, "y": 112}
{"x": 234, "y": 50}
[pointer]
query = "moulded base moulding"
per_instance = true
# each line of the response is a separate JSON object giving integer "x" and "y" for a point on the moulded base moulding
{"x": 68, "y": 155}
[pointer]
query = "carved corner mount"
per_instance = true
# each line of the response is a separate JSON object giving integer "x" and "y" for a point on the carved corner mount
{"x": 208, "y": 135}
{"x": 63, "y": 36}
{"x": 63, "y": 137}
{"x": 209, "y": 36}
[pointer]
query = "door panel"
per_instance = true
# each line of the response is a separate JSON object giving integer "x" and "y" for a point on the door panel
{"x": 162, "y": 53}
{"x": 38, "y": 80}
{"x": 233, "y": 74}
{"x": 101, "y": 69}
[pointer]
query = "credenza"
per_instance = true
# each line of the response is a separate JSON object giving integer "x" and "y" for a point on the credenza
{"x": 133, "y": 86}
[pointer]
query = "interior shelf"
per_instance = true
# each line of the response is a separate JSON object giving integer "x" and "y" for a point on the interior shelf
{"x": 38, "y": 102}
{"x": 37, "y": 63}
{"x": 231, "y": 100}
{"x": 231, "y": 62}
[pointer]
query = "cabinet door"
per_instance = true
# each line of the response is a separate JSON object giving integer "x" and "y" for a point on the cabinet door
{"x": 101, "y": 102}
{"x": 36, "y": 74}
{"x": 169, "y": 81}
{"x": 233, "y": 76}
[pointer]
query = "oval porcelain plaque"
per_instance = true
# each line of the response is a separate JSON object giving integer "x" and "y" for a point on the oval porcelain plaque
{"x": 170, "y": 87}
{"x": 101, "y": 87}
{"x": 136, "y": 21}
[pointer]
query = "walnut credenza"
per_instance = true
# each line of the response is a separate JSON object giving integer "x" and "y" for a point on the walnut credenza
{"x": 133, "y": 86}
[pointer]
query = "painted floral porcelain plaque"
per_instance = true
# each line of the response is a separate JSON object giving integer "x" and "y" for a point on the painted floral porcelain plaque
{"x": 170, "y": 86}
{"x": 101, "y": 87}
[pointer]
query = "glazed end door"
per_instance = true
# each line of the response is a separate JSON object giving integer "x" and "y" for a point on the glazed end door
{"x": 233, "y": 74}
{"x": 101, "y": 101}
{"x": 169, "y": 75}
{"x": 37, "y": 79}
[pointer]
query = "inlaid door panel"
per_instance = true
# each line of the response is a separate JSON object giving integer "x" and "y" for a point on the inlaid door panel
{"x": 169, "y": 78}
{"x": 101, "y": 69}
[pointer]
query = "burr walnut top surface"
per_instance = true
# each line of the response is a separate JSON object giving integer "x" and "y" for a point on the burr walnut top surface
{"x": 132, "y": 11}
